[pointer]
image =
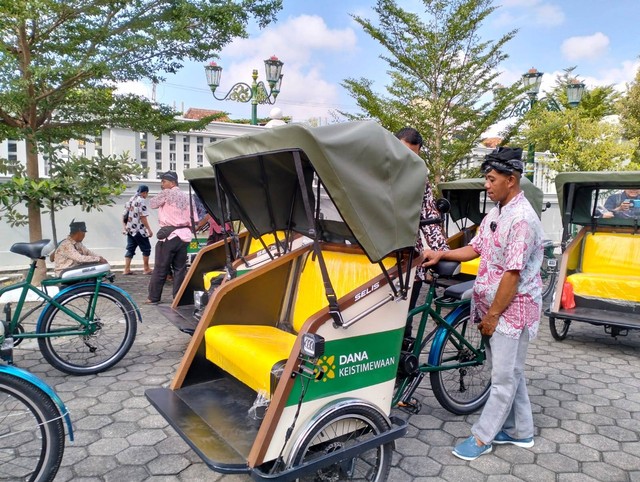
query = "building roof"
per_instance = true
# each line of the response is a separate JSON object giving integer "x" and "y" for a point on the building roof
{"x": 197, "y": 114}
{"x": 491, "y": 142}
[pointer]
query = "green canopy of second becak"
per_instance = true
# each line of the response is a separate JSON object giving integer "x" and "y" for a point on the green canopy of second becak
{"x": 467, "y": 198}
{"x": 580, "y": 192}
{"x": 374, "y": 181}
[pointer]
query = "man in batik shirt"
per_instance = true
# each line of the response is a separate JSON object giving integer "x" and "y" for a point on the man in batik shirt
{"x": 174, "y": 211}
{"x": 507, "y": 301}
{"x": 71, "y": 252}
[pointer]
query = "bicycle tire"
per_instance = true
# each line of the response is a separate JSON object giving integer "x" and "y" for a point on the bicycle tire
{"x": 93, "y": 353}
{"x": 559, "y": 333}
{"x": 31, "y": 432}
{"x": 548, "y": 282}
{"x": 464, "y": 390}
{"x": 339, "y": 429}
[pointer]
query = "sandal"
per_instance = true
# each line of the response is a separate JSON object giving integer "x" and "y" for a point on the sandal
{"x": 149, "y": 302}
{"x": 129, "y": 273}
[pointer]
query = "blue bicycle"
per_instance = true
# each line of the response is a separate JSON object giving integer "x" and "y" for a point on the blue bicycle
{"x": 32, "y": 435}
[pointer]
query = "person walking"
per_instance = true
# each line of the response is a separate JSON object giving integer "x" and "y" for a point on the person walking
{"x": 174, "y": 216}
{"x": 507, "y": 300}
{"x": 135, "y": 225}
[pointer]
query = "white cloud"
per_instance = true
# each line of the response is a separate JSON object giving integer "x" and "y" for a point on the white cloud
{"x": 618, "y": 77}
{"x": 523, "y": 12}
{"x": 306, "y": 45}
{"x": 588, "y": 47}
{"x": 549, "y": 15}
{"x": 134, "y": 87}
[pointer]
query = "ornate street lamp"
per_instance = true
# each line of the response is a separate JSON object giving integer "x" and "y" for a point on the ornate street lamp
{"x": 257, "y": 92}
{"x": 532, "y": 80}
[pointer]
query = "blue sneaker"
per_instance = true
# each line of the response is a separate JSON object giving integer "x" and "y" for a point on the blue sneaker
{"x": 469, "y": 449}
{"x": 503, "y": 438}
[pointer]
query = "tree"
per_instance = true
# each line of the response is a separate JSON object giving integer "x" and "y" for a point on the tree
{"x": 441, "y": 74}
{"x": 60, "y": 62}
{"x": 78, "y": 181}
{"x": 629, "y": 107}
{"x": 578, "y": 141}
{"x": 586, "y": 137}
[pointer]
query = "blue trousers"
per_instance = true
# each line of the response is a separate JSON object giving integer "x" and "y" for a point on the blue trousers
{"x": 508, "y": 407}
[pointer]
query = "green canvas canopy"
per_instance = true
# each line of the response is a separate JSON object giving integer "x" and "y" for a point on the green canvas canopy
{"x": 374, "y": 181}
{"x": 578, "y": 190}
{"x": 468, "y": 201}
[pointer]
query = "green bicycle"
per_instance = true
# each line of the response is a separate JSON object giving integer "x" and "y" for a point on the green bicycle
{"x": 452, "y": 353}
{"x": 86, "y": 328}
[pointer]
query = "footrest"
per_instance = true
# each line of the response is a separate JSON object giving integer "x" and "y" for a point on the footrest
{"x": 212, "y": 418}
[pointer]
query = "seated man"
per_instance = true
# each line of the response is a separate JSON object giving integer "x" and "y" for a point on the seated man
{"x": 71, "y": 252}
{"x": 622, "y": 205}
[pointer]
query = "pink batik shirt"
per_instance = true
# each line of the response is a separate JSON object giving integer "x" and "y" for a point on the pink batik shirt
{"x": 516, "y": 244}
{"x": 173, "y": 210}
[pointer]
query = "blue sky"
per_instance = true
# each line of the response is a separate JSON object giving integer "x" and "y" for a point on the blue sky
{"x": 321, "y": 45}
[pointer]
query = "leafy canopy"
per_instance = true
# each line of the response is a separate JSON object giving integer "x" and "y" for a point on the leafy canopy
{"x": 60, "y": 63}
{"x": 441, "y": 75}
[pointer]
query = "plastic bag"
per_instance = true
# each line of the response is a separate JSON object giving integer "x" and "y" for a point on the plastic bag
{"x": 259, "y": 407}
{"x": 567, "y": 301}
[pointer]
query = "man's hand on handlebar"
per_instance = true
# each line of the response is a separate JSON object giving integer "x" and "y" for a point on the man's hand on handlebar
{"x": 431, "y": 257}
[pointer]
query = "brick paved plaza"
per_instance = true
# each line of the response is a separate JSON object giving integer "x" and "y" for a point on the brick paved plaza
{"x": 585, "y": 393}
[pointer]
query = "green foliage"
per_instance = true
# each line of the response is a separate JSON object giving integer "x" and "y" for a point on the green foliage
{"x": 89, "y": 183}
{"x": 60, "y": 62}
{"x": 578, "y": 141}
{"x": 629, "y": 108}
{"x": 441, "y": 76}
{"x": 581, "y": 138}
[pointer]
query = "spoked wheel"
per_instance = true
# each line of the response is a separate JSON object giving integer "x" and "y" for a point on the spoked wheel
{"x": 31, "y": 432}
{"x": 548, "y": 281}
{"x": 461, "y": 390}
{"x": 98, "y": 346}
{"x": 559, "y": 328}
{"x": 341, "y": 430}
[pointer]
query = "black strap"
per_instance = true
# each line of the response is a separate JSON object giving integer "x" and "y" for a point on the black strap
{"x": 334, "y": 309}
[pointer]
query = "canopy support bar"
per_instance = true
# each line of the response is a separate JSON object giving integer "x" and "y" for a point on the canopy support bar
{"x": 334, "y": 309}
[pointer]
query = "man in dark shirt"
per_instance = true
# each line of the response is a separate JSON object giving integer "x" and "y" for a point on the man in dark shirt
{"x": 619, "y": 204}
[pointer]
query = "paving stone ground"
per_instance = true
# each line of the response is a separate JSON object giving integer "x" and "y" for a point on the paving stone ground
{"x": 585, "y": 393}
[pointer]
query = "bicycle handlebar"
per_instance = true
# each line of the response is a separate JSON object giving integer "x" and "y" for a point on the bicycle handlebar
{"x": 426, "y": 222}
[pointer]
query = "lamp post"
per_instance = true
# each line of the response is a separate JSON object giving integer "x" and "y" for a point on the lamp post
{"x": 532, "y": 80}
{"x": 256, "y": 93}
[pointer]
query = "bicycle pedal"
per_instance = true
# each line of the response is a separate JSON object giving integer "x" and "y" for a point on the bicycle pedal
{"x": 411, "y": 406}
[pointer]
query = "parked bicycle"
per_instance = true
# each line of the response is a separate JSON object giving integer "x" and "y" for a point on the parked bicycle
{"x": 86, "y": 328}
{"x": 452, "y": 352}
{"x": 32, "y": 437}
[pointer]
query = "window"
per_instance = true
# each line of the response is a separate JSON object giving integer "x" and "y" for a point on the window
{"x": 199, "y": 160}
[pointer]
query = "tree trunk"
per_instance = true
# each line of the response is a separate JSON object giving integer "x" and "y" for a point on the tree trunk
{"x": 35, "y": 223}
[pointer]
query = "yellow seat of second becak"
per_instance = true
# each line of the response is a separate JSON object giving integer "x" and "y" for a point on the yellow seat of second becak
{"x": 470, "y": 267}
{"x": 606, "y": 286}
{"x": 248, "y": 352}
{"x": 210, "y": 276}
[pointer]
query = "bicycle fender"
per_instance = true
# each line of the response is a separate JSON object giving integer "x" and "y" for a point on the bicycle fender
{"x": 81, "y": 285}
{"x": 438, "y": 338}
{"x": 34, "y": 380}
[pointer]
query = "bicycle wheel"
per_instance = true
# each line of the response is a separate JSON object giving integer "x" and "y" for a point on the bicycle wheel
{"x": 31, "y": 432}
{"x": 115, "y": 326}
{"x": 559, "y": 328}
{"x": 340, "y": 430}
{"x": 460, "y": 390}
{"x": 548, "y": 273}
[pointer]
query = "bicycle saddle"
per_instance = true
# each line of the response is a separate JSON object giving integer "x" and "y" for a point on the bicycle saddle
{"x": 39, "y": 249}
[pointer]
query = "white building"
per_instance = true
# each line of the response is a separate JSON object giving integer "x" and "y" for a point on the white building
{"x": 168, "y": 152}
